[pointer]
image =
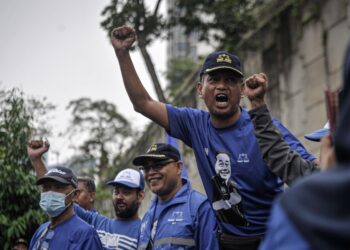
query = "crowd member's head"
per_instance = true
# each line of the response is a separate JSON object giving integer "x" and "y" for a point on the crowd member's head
{"x": 162, "y": 168}
{"x": 20, "y": 244}
{"x": 127, "y": 193}
{"x": 223, "y": 165}
{"x": 221, "y": 85}
{"x": 58, "y": 191}
{"x": 86, "y": 194}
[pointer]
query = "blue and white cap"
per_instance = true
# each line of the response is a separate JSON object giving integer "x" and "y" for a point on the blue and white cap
{"x": 317, "y": 135}
{"x": 129, "y": 177}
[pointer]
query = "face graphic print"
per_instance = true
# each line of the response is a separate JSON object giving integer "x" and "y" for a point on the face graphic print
{"x": 227, "y": 202}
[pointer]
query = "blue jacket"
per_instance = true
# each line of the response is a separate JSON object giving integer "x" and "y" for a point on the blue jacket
{"x": 185, "y": 222}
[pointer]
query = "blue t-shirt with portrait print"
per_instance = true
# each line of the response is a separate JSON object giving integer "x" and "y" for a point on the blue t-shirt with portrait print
{"x": 72, "y": 234}
{"x": 114, "y": 233}
{"x": 242, "y": 202}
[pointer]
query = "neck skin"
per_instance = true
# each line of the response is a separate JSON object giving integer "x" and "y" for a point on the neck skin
{"x": 219, "y": 122}
{"x": 170, "y": 195}
{"x": 69, "y": 212}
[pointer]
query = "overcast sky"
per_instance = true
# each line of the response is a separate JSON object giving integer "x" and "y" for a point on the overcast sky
{"x": 57, "y": 49}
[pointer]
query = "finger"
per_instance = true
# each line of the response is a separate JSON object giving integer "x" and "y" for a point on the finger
{"x": 263, "y": 75}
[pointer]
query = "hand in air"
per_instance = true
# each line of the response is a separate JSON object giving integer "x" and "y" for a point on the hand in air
{"x": 122, "y": 38}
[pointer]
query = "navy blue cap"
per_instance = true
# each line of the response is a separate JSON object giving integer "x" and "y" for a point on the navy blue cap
{"x": 60, "y": 174}
{"x": 157, "y": 152}
{"x": 317, "y": 135}
{"x": 221, "y": 60}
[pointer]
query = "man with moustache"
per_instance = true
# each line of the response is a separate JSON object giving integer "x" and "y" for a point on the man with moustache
{"x": 225, "y": 127}
{"x": 178, "y": 217}
{"x": 121, "y": 232}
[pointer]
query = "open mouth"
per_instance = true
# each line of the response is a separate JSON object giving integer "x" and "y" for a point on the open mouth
{"x": 221, "y": 98}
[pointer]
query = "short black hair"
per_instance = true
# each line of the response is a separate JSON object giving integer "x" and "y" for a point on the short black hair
{"x": 89, "y": 183}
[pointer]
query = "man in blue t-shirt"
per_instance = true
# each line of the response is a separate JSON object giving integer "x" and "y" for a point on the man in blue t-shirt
{"x": 121, "y": 232}
{"x": 225, "y": 128}
{"x": 65, "y": 230}
{"x": 178, "y": 217}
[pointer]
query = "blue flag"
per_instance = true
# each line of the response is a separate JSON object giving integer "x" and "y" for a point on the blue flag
{"x": 172, "y": 141}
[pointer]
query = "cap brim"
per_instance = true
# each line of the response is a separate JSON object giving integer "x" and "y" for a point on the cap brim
{"x": 52, "y": 178}
{"x": 224, "y": 67}
{"x": 124, "y": 183}
{"x": 142, "y": 159}
{"x": 317, "y": 135}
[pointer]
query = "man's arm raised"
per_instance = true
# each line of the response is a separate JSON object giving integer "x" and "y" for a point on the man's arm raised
{"x": 122, "y": 39}
{"x": 282, "y": 161}
{"x": 35, "y": 150}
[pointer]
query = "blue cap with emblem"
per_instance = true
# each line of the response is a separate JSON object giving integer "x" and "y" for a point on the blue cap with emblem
{"x": 221, "y": 60}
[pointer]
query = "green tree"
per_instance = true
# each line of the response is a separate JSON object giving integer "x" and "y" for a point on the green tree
{"x": 178, "y": 70}
{"x": 220, "y": 21}
{"x": 20, "y": 214}
{"x": 148, "y": 26}
{"x": 99, "y": 132}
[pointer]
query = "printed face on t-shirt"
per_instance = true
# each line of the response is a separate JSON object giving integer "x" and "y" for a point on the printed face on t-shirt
{"x": 223, "y": 165}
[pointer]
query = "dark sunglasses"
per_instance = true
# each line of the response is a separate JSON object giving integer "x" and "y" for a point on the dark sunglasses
{"x": 156, "y": 166}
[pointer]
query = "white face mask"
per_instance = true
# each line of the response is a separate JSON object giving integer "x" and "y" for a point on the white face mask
{"x": 53, "y": 203}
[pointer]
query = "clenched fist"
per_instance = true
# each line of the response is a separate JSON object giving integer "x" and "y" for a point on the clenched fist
{"x": 36, "y": 148}
{"x": 255, "y": 88}
{"x": 122, "y": 38}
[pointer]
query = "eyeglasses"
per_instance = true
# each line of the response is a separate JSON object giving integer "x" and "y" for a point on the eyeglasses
{"x": 43, "y": 242}
{"x": 156, "y": 166}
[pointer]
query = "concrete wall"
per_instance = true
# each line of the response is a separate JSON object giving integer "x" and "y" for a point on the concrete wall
{"x": 307, "y": 46}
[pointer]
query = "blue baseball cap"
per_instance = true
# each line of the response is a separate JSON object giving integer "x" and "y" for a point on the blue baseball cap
{"x": 317, "y": 135}
{"x": 221, "y": 60}
{"x": 130, "y": 178}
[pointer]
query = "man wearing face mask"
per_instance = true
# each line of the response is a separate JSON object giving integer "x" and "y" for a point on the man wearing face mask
{"x": 121, "y": 232}
{"x": 65, "y": 230}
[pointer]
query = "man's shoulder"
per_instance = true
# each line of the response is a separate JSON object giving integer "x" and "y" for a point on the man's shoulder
{"x": 188, "y": 110}
{"x": 42, "y": 227}
{"x": 197, "y": 198}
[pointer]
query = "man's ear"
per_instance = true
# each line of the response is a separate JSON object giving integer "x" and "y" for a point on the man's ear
{"x": 141, "y": 196}
{"x": 76, "y": 193}
{"x": 179, "y": 166}
{"x": 200, "y": 89}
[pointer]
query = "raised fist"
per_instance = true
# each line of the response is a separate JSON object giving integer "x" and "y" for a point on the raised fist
{"x": 36, "y": 148}
{"x": 255, "y": 88}
{"x": 123, "y": 37}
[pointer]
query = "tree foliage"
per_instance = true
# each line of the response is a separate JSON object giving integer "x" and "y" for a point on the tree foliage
{"x": 223, "y": 22}
{"x": 178, "y": 70}
{"x": 148, "y": 26}
{"x": 20, "y": 213}
{"x": 103, "y": 129}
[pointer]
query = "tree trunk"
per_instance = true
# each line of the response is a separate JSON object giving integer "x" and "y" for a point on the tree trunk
{"x": 151, "y": 70}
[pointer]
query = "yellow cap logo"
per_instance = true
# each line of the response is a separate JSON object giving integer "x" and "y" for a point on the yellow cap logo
{"x": 223, "y": 58}
{"x": 152, "y": 148}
